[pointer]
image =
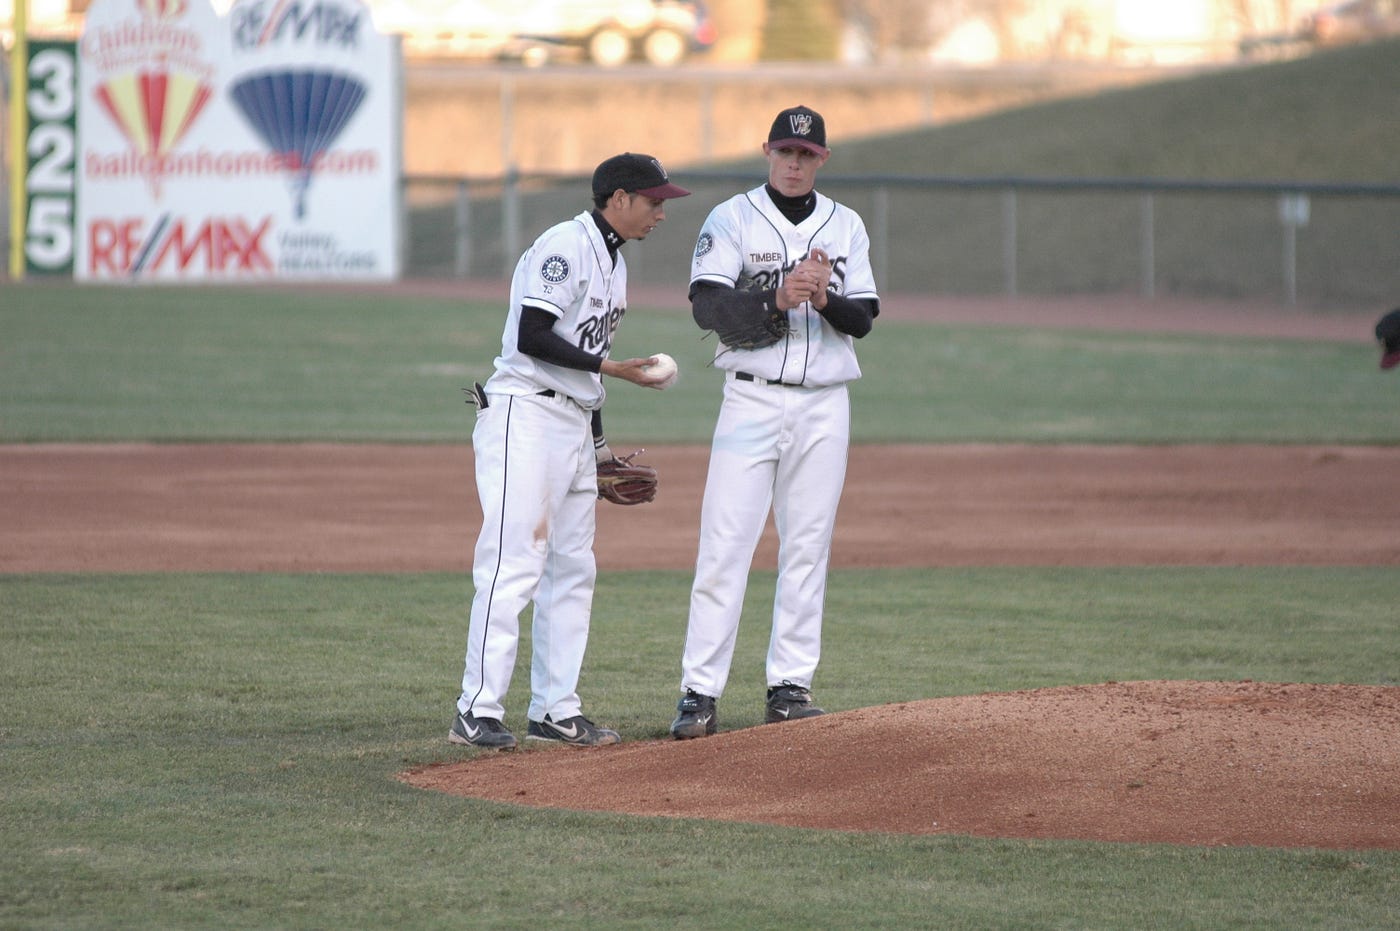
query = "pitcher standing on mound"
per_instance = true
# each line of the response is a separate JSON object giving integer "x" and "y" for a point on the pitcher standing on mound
{"x": 793, "y": 265}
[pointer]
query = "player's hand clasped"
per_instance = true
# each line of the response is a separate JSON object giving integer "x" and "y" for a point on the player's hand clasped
{"x": 808, "y": 281}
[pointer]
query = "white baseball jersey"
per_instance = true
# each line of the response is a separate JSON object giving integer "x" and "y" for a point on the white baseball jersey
{"x": 748, "y": 244}
{"x": 567, "y": 273}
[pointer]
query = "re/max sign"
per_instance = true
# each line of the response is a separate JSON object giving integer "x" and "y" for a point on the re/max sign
{"x": 323, "y": 22}
{"x": 134, "y": 247}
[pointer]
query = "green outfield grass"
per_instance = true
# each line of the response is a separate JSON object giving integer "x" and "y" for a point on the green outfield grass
{"x": 218, "y": 751}
{"x": 173, "y": 364}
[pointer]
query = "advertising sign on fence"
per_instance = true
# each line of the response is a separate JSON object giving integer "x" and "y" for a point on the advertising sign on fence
{"x": 50, "y": 185}
{"x": 258, "y": 145}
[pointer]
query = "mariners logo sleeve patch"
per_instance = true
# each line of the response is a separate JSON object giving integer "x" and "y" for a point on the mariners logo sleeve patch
{"x": 555, "y": 269}
{"x": 704, "y": 244}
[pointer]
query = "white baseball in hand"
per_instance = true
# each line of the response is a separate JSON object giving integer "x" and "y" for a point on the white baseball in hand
{"x": 663, "y": 366}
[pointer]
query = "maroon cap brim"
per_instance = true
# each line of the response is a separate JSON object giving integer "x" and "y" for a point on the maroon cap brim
{"x": 1390, "y": 359}
{"x": 801, "y": 143}
{"x": 665, "y": 191}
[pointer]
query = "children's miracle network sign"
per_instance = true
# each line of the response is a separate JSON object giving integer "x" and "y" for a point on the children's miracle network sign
{"x": 261, "y": 144}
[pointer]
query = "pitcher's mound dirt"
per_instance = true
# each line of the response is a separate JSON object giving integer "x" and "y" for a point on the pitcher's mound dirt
{"x": 1206, "y": 763}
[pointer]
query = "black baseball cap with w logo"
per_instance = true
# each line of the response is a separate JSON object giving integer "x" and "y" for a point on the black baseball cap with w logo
{"x": 634, "y": 173}
{"x": 799, "y": 126}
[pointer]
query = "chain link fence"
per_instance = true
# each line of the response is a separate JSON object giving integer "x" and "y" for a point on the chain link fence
{"x": 1317, "y": 245}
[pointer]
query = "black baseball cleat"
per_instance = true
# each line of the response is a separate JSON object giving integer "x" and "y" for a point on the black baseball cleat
{"x": 472, "y": 731}
{"x": 578, "y": 731}
{"x": 695, "y": 716}
{"x": 788, "y": 702}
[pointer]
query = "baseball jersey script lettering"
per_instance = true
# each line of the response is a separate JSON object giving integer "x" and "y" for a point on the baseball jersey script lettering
{"x": 747, "y": 243}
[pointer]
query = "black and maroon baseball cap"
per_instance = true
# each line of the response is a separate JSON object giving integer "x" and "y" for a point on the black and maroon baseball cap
{"x": 635, "y": 174}
{"x": 1388, "y": 332}
{"x": 800, "y": 126}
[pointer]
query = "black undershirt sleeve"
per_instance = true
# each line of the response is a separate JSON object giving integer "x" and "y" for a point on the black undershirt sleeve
{"x": 536, "y": 337}
{"x": 715, "y": 305}
{"x": 854, "y": 317}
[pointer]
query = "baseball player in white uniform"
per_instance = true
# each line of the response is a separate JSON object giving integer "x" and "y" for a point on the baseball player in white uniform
{"x": 781, "y": 252}
{"x": 537, "y": 438}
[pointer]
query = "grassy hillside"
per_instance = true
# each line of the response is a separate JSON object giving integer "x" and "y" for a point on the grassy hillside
{"x": 1333, "y": 116}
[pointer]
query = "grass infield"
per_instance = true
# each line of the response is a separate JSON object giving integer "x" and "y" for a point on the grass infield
{"x": 219, "y": 751}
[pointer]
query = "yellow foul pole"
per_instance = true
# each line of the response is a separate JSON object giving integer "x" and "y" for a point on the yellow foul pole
{"x": 19, "y": 130}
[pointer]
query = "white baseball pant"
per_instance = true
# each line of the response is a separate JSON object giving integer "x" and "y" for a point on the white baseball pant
{"x": 536, "y": 479}
{"x": 784, "y": 448}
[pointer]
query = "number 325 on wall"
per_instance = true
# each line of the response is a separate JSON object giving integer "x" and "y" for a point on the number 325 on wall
{"x": 51, "y": 149}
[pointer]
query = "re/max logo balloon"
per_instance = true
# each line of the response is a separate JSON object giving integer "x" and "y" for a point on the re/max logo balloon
{"x": 290, "y": 21}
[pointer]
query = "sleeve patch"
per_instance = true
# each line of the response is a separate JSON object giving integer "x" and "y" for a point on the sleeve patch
{"x": 704, "y": 244}
{"x": 555, "y": 269}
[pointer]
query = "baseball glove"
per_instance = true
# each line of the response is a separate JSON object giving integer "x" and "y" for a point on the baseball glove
{"x": 754, "y": 331}
{"x": 622, "y": 481}
{"x": 747, "y": 320}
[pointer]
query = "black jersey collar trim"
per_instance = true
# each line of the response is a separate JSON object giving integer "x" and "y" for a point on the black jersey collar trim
{"x": 611, "y": 237}
{"x": 796, "y": 209}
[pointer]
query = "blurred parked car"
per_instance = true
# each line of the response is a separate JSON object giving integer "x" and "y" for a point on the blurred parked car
{"x": 607, "y": 32}
{"x": 1353, "y": 21}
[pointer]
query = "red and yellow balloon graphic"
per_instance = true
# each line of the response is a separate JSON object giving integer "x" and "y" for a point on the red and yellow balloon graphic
{"x": 153, "y": 110}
